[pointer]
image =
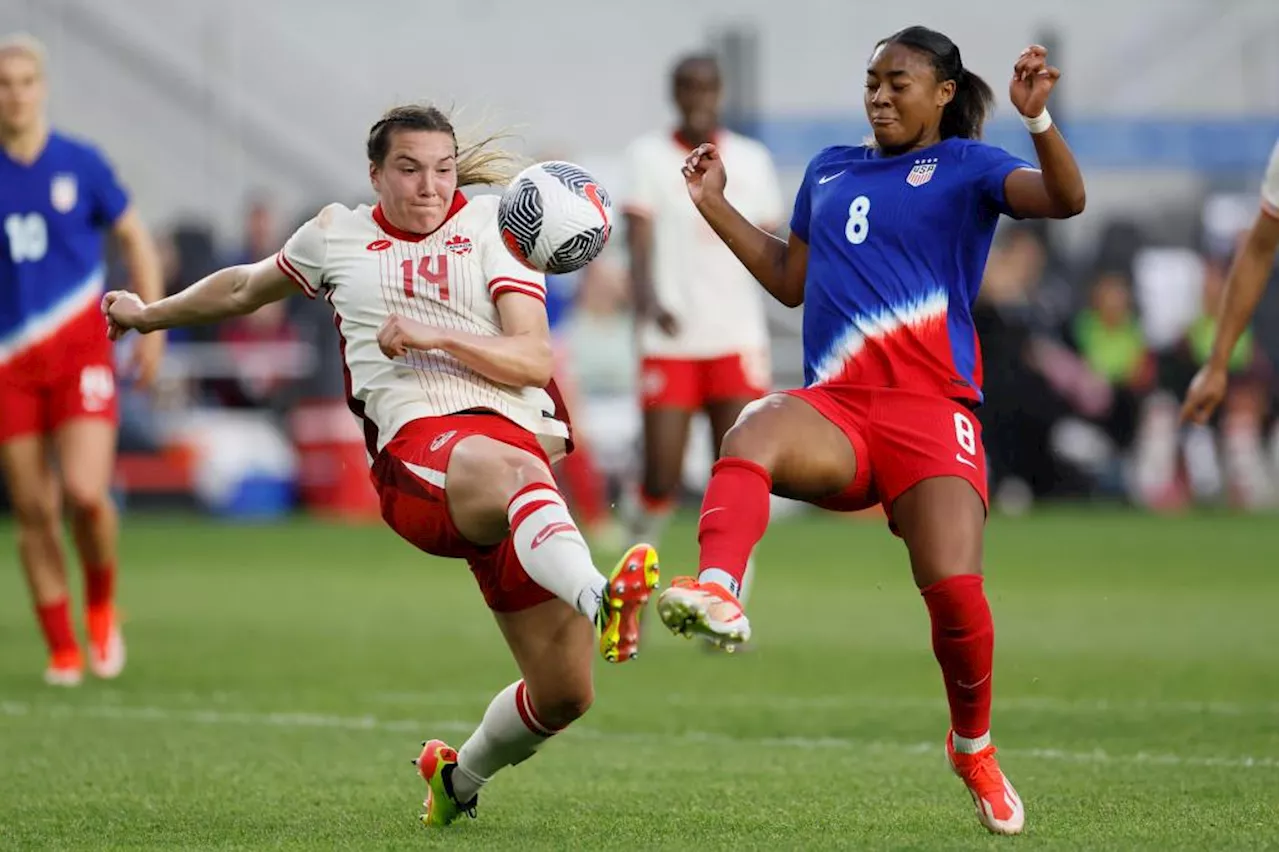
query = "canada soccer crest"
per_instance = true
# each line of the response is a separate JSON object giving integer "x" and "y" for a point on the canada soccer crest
{"x": 63, "y": 192}
{"x": 922, "y": 171}
{"x": 458, "y": 244}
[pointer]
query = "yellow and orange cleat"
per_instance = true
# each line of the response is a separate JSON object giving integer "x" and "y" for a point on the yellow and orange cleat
{"x": 631, "y": 583}
{"x": 436, "y": 764}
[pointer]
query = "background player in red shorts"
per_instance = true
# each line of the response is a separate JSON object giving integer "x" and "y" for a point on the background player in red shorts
{"x": 702, "y": 336}
{"x": 446, "y": 353}
{"x": 58, "y": 197}
{"x": 887, "y": 249}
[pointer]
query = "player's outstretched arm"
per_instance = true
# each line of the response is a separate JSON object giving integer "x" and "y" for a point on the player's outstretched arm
{"x": 1246, "y": 281}
{"x": 520, "y": 356}
{"x": 229, "y": 292}
{"x": 143, "y": 263}
{"x": 779, "y": 266}
{"x": 1056, "y": 191}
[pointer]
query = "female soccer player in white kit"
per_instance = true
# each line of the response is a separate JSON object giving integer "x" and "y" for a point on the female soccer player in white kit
{"x": 703, "y": 339}
{"x": 446, "y": 354}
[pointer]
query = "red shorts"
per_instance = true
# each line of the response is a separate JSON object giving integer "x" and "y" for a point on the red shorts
{"x": 899, "y": 438}
{"x": 409, "y": 475}
{"x": 692, "y": 383}
{"x": 64, "y": 377}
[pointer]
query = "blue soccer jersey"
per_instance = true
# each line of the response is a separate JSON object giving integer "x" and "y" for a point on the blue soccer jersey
{"x": 53, "y": 214}
{"x": 897, "y": 247}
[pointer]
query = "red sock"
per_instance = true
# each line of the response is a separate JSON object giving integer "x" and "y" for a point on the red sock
{"x": 55, "y": 622}
{"x": 100, "y": 584}
{"x": 586, "y": 485}
{"x": 735, "y": 514}
{"x": 963, "y": 641}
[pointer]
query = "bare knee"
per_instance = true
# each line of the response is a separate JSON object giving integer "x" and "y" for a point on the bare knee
{"x": 942, "y": 521}
{"x": 564, "y": 705}
{"x": 84, "y": 499}
{"x": 752, "y": 439}
{"x": 36, "y": 512}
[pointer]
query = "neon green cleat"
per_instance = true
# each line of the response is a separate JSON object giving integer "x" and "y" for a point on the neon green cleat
{"x": 630, "y": 584}
{"x": 436, "y": 765}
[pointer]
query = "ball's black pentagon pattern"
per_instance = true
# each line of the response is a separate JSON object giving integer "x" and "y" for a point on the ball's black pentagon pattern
{"x": 520, "y": 218}
{"x": 576, "y": 179}
{"x": 578, "y": 251}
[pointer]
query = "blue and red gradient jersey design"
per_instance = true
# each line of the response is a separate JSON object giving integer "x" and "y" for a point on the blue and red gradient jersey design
{"x": 53, "y": 216}
{"x": 897, "y": 248}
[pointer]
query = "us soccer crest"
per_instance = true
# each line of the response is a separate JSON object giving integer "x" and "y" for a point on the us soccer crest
{"x": 63, "y": 192}
{"x": 922, "y": 172}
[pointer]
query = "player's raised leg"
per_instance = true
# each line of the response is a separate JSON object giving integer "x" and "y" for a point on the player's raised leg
{"x": 722, "y": 415}
{"x": 941, "y": 520}
{"x": 779, "y": 444}
{"x": 553, "y": 648}
{"x": 33, "y": 490}
{"x": 86, "y": 455}
{"x": 495, "y": 490}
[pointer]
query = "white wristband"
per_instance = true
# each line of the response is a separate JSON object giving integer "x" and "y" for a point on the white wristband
{"x": 1040, "y": 123}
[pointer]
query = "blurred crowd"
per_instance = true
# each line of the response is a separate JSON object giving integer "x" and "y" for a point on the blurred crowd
{"x": 1083, "y": 366}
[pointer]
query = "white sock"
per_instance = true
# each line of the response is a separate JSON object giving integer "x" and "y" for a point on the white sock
{"x": 723, "y": 579}
{"x": 964, "y": 745}
{"x": 508, "y": 734}
{"x": 551, "y": 549}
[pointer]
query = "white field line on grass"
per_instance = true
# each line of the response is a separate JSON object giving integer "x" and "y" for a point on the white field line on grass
{"x": 302, "y": 720}
{"x": 1045, "y": 704}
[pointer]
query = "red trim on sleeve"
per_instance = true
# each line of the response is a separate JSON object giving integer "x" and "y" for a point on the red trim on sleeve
{"x": 510, "y": 288}
{"x": 283, "y": 264}
{"x": 533, "y": 284}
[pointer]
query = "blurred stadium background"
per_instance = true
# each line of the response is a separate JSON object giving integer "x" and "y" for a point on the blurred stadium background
{"x": 272, "y": 658}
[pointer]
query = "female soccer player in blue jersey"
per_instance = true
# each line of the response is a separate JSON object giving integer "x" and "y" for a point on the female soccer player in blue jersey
{"x": 59, "y": 199}
{"x": 887, "y": 248}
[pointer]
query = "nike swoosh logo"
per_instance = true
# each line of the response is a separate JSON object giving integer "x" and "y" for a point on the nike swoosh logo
{"x": 550, "y": 530}
{"x": 829, "y": 178}
{"x": 964, "y": 460}
{"x": 975, "y": 684}
{"x": 703, "y": 516}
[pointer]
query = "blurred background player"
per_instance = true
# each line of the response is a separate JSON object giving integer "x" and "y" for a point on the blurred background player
{"x": 58, "y": 196}
{"x": 887, "y": 248}
{"x": 446, "y": 355}
{"x": 1244, "y": 286}
{"x": 703, "y": 341}
{"x": 588, "y": 490}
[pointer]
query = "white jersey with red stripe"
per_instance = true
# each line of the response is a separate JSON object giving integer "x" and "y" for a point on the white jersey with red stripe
{"x": 718, "y": 306}
{"x": 1271, "y": 184}
{"x": 368, "y": 270}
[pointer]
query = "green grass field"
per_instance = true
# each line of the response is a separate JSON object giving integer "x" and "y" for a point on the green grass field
{"x": 281, "y": 678}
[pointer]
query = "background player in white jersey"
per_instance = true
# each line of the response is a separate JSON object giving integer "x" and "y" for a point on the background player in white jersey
{"x": 703, "y": 340}
{"x": 1245, "y": 284}
{"x": 59, "y": 200}
{"x": 446, "y": 354}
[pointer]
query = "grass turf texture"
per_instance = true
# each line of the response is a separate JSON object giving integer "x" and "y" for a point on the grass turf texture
{"x": 281, "y": 678}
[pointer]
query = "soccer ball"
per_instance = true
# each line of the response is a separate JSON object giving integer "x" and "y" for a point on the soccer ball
{"x": 555, "y": 217}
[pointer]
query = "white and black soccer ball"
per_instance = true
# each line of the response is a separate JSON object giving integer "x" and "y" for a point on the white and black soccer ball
{"x": 555, "y": 217}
